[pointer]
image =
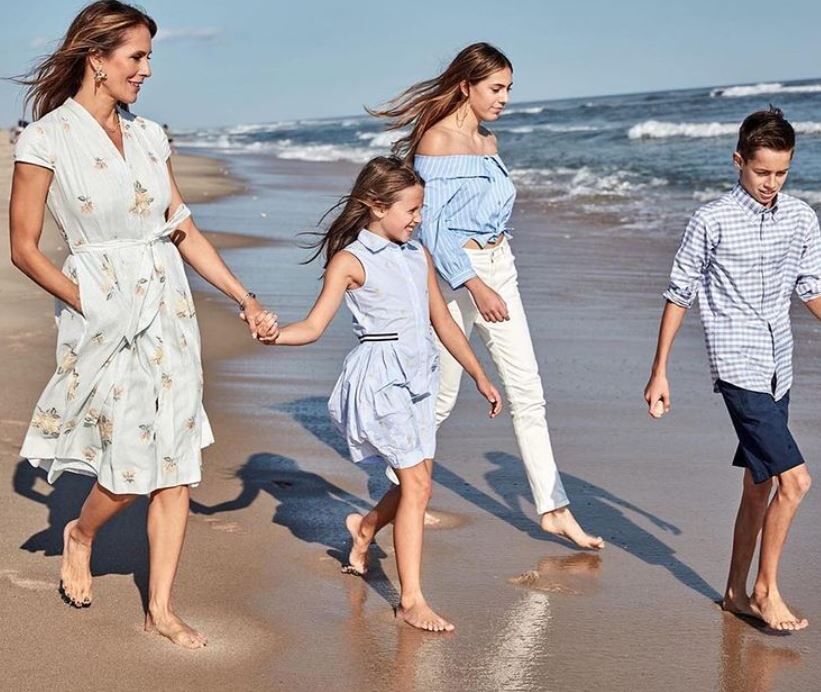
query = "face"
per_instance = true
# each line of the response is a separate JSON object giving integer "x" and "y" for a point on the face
{"x": 127, "y": 67}
{"x": 489, "y": 97}
{"x": 399, "y": 220}
{"x": 764, "y": 174}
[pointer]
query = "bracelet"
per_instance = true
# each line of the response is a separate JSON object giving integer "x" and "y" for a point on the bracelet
{"x": 244, "y": 300}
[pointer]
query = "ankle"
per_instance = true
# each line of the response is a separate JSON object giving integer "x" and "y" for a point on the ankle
{"x": 410, "y": 600}
{"x": 764, "y": 591}
{"x": 77, "y": 535}
{"x": 159, "y": 611}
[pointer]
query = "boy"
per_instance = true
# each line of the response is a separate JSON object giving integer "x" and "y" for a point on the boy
{"x": 747, "y": 251}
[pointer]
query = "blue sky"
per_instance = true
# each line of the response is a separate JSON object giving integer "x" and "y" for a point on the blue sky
{"x": 254, "y": 61}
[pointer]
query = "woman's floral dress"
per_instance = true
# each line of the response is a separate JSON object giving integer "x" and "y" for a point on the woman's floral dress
{"x": 125, "y": 402}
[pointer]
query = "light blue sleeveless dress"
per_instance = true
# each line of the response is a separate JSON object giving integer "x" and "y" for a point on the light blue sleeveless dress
{"x": 384, "y": 401}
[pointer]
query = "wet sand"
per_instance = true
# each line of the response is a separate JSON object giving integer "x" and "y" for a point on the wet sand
{"x": 260, "y": 572}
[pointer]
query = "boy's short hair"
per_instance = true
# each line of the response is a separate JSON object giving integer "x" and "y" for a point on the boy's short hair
{"x": 765, "y": 130}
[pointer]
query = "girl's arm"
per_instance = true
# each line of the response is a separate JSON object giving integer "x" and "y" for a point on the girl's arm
{"x": 29, "y": 190}
{"x": 343, "y": 272}
{"x": 197, "y": 251}
{"x": 454, "y": 340}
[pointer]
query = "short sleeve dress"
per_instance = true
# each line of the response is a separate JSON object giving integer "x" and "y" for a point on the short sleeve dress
{"x": 125, "y": 402}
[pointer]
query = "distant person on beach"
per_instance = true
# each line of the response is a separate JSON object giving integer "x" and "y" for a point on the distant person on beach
{"x": 468, "y": 201}
{"x": 16, "y": 130}
{"x": 385, "y": 398}
{"x": 747, "y": 252}
{"x": 125, "y": 403}
{"x": 169, "y": 137}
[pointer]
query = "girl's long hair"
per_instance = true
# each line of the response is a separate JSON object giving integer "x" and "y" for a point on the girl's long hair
{"x": 425, "y": 103}
{"x": 378, "y": 184}
{"x": 99, "y": 28}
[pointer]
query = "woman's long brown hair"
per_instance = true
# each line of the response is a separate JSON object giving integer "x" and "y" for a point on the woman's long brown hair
{"x": 426, "y": 103}
{"x": 378, "y": 184}
{"x": 98, "y": 29}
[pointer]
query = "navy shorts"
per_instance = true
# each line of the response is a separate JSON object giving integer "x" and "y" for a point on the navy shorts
{"x": 765, "y": 444}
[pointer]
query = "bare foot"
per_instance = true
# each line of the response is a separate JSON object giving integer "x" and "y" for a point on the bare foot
{"x": 75, "y": 569}
{"x": 358, "y": 557}
{"x": 738, "y": 605}
{"x": 174, "y": 629}
{"x": 775, "y": 613}
{"x": 421, "y": 616}
{"x": 561, "y": 522}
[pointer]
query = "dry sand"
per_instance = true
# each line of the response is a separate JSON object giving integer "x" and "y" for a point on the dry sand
{"x": 260, "y": 571}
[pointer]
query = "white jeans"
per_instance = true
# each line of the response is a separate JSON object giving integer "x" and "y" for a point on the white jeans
{"x": 511, "y": 348}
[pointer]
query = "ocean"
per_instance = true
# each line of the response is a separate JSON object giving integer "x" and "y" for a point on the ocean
{"x": 642, "y": 161}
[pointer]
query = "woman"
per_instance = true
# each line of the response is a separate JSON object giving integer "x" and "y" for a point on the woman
{"x": 125, "y": 403}
{"x": 468, "y": 200}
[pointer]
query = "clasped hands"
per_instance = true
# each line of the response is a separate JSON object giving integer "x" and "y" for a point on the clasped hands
{"x": 261, "y": 323}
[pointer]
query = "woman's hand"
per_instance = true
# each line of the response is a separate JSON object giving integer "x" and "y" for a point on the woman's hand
{"x": 489, "y": 303}
{"x": 261, "y": 323}
{"x": 487, "y": 390}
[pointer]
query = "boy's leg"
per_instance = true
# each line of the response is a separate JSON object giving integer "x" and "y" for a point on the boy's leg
{"x": 748, "y": 522}
{"x": 766, "y": 600}
{"x": 408, "y": 529}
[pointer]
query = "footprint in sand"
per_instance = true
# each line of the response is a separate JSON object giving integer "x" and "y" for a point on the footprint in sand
{"x": 14, "y": 578}
{"x": 568, "y": 574}
{"x": 436, "y": 519}
{"x": 220, "y": 525}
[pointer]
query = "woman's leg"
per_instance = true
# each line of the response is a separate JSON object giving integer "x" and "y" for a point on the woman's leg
{"x": 464, "y": 312}
{"x": 78, "y": 536}
{"x": 511, "y": 347}
{"x": 408, "y": 529}
{"x": 167, "y": 519}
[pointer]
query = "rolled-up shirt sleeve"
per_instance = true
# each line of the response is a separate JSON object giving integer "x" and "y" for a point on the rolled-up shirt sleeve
{"x": 450, "y": 258}
{"x": 34, "y": 146}
{"x": 808, "y": 283}
{"x": 691, "y": 262}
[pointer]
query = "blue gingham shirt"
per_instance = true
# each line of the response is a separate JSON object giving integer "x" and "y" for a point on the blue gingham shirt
{"x": 747, "y": 259}
{"x": 467, "y": 197}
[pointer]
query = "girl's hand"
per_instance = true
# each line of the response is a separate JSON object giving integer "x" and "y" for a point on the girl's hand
{"x": 487, "y": 390}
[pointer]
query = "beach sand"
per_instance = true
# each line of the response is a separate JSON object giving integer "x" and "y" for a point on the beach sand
{"x": 260, "y": 571}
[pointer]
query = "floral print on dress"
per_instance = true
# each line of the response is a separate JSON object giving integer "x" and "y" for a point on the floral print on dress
{"x": 191, "y": 424}
{"x": 89, "y": 454}
{"x": 106, "y": 426}
{"x": 100, "y": 163}
{"x": 73, "y": 385}
{"x": 169, "y": 464}
{"x": 112, "y": 284}
{"x": 67, "y": 362}
{"x": 47, "y": 422}
{"x": 142, "y": 201}
{"x": 166, "y": 381}
{"x": 129, "y": 476}
{"x": 91, "y": 417}
{"x": 86, "y": 205}
{"x": 146, "y": 432}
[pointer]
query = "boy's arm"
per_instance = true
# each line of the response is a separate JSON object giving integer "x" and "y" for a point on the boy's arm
{"x": 344, "y": 271}
{"x": 658, "y": 389}
{"x": 689, "y": 266}
{"x": 808, "y": 283}
{"x": 454, "y": 340}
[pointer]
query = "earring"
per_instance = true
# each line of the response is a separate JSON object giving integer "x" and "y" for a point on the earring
{"x": 99, "y": 76}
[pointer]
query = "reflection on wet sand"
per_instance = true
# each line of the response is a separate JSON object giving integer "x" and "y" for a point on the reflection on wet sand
{"x": 567, "y": 574}
{"x": 748, "y": 663}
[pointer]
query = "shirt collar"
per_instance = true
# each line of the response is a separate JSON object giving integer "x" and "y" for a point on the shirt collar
{"x": 376, "y": 243}
{"x": 748, "y": 202}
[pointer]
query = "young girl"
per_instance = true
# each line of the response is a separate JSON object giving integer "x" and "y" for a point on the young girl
{"x": 384, "y": 401}
{"x": 468, "y": 201}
